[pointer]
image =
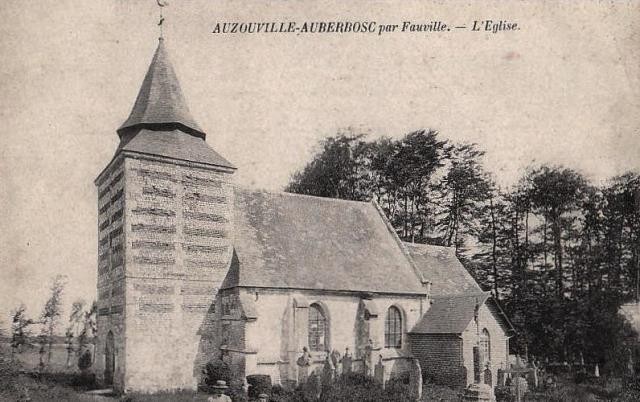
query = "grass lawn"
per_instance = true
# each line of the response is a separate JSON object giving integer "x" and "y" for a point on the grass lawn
{"x": 63, "y": 387}
{"x": 71, "y": 386}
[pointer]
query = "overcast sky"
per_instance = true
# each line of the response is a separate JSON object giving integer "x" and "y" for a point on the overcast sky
{"x": 563, "y": 89}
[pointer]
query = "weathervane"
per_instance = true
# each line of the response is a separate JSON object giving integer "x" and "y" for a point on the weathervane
{"x": 161, "y": 4}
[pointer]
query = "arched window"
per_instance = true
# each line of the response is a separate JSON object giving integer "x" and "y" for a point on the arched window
{"x": 393, "y": 328}
{"x": 317, "y": 329}
{"x": 485, "y": 344}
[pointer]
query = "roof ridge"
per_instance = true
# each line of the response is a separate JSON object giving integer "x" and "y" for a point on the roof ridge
{"x": 429, "y": 245}
{"x": 461, "y": 295}
{"x": 289, "y": 194}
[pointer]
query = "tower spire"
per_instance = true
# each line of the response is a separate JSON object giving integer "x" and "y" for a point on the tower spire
{"x": 160, "y": 103}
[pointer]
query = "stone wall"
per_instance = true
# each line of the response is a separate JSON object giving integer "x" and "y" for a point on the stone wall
{"x": 499, "y": 343}
{"x": 111, "y": 282}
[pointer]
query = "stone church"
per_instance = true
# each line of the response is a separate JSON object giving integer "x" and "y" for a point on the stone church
{"x": 192, "y": 268}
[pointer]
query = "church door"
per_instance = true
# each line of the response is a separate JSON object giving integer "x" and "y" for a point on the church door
{"x": 110, "y": 359}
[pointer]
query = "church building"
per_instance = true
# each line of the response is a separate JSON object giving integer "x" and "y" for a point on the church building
{"x": 192, "y": 269}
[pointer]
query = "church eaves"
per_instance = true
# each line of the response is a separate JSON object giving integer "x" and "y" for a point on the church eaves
{"x": 160, "y": 102}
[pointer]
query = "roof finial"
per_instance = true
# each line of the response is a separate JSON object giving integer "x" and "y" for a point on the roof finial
{"x": 161, "y": 4}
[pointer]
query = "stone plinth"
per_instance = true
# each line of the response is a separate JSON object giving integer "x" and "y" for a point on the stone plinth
{"x": 478, "y": 392}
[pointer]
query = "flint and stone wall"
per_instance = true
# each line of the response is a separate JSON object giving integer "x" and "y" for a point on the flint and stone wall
{"x": 498, "y": 340}
{"x": 448, "y": 358}
{"x": 111, "y": 281}
{"x": 275, "y": 340}
{"x": 174, "y": 250}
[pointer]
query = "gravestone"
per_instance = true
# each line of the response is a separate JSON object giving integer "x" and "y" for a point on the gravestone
{"x": 366, "y": 360}
{"x": 478, "y": 393}
{"x": 379, "y": 372}
{"x": 521, "y": 388}
{"x": 477, "y": 364}
{"x": 534, "y": 375}
{"x": 335, "y": 358}
{"x": 347, "y": 362}
{"x": 303, "y": 374}
{"x": 328, "y": 372}
{"x": 313, "y": 387}
{"x": 487, "y": 376}
{"x": 415, "y": 380}
{"x": 303, "y": 364}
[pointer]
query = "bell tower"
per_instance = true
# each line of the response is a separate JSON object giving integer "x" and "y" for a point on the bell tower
{"x": 164, "y": 224}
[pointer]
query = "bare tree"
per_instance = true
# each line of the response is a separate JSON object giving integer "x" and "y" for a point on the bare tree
{"x": 51, "y": 313}
{"x": 76, "y": 317}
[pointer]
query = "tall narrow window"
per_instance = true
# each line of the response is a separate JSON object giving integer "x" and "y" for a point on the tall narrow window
{"x": 485, "y": 345}
{"x": 317, "y": 329}
{"x": 393, "y": 328}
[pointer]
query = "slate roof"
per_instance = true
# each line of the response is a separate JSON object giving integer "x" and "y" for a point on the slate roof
{"x": 441, "y": 267}
{"x": 173, "y": 144}
{"x": 160, "y": 100}
{"x": 293, "y": 241}
{"x": 449, "y": 314}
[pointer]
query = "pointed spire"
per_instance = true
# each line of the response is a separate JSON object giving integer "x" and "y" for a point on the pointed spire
{"x": 160, "y": 103}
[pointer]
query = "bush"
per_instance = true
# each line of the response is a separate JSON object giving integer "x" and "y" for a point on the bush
{"x": 214, "y": 371}
{"x": 503, "y": 394}
{"x": 279, "y": 394}
{"x": 237, "y": 394}
{"x": 8, "y": 375}
{"x": 399, "y": 389}
{"x": 358, "y": 387}
{"x": 450, "y": 376}
{"x": 580, "y": 377}
{"x": 258, "y": 384}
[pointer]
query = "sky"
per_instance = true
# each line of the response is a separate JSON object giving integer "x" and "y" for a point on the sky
{"x": 563, "y": 89}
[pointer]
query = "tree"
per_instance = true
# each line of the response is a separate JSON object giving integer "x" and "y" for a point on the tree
{"x": 76, "y": 317}
{"x": 418, "y": 156}
{"x": 465, "y": 189}
{"x": 20, "y": 324}
{"x": 89, "y": 329}
{"x": 554, "y": 193}
{"x": 51, "y": 314}
{"x": 337, "y": 170}
{"x": 561, "y": 254}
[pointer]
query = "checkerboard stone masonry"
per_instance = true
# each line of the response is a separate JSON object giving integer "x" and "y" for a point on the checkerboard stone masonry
{"x": 163, "y": 256}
